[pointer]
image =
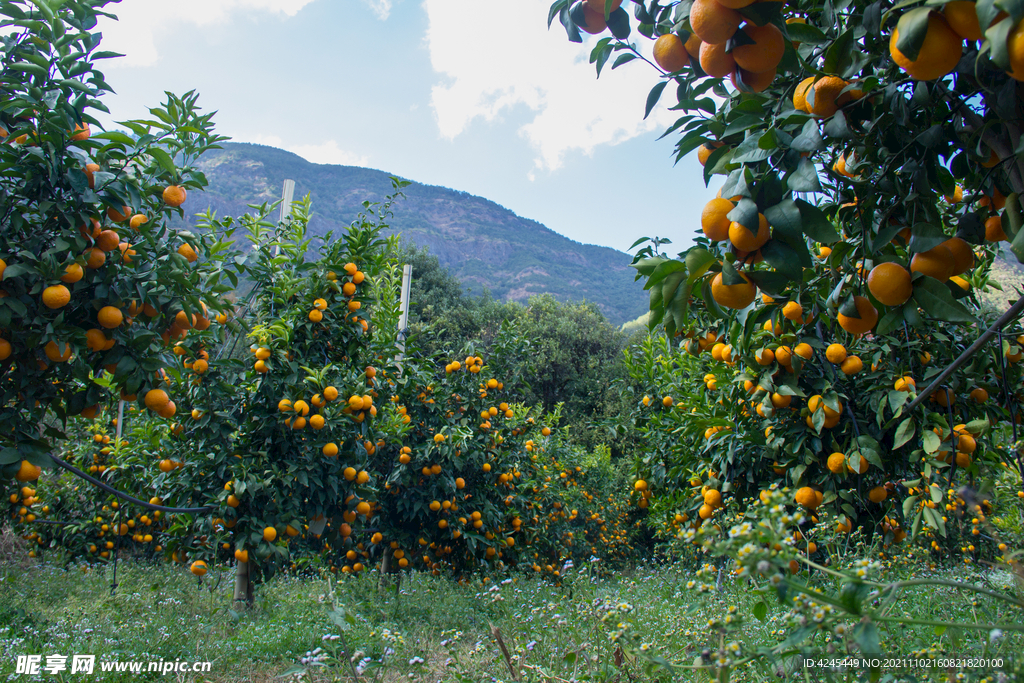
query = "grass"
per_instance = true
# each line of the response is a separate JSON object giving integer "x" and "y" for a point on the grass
{"x": 433, "y": 629}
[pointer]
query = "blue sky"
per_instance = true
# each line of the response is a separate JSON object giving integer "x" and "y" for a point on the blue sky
{"x": 476, "y": 95}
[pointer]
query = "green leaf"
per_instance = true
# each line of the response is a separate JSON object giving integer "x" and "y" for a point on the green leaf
{"x": 912, "y": 28}
{"x": 653, "y": 97}
{"x": 745, "y": 213}
{"x": 804, "y": 178}
{"x": 784, "y": 258}
{"x": 931, "y": 441}
{"x": 816, "y": 224}
{"x": 809, "y": 139}
{"x": 925, "y": 236}
{"x": 760, "y": 611}
{"x": 618, "y": 24}
{"x": 164, "y": 159}
{"x": 904, "y": 433}
{"x": 805, "y": 33}
{"x": 937, "y": 301}
{"x": 698, "y": 260}
{"x": 761, "y": 13}
{"x": 997, "y": 37}
{"x": 889, "y": 322}
{"x": 730, "y": 276}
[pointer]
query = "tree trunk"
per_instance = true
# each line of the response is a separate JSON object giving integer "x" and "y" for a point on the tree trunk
{"x": 243, "y": 584}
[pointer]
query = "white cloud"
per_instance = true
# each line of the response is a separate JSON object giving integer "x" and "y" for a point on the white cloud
{"x": 494, "y": 60}
{"x": 380, "y": 8}
{"x": 140, "y": 20}
{"x": 326, "y": 152}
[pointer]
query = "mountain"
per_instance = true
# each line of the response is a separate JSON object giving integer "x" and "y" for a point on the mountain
{"x": 484, "y": 245}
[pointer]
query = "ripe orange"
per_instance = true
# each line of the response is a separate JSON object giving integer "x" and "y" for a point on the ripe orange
{"x": 867, "y": 313}
{"x": 733, "y": 296}
{"x": 315, "y": 316}
{"x": 890, "y": 284}
{"x": 704, "y": 151}
{"x": 766, "y": 51}
{"x": 793, "y": 311}
{"x": 137, "y": 221}
{"x": 56, "y": 296}
{"x": 72, "y": 273}
{"x": 962, "y": 16}
{"x": 1015, "y": 46}
{"x": 836, "y": 353}
{"x": 188, "y": 252}
{"x": 744, "y": 240}
{"x": 808, "y": 497}
{"x": 81, "y": 132}
{"x": 107, "y": 240}
{"x": 939, "y": 54}
{"x": 330, "y": 449}
{"x": 174, "y": 195}
{"x": 937, "y": 262}
{"x": 119, "y": 216}
{"x": 715, "y": 61}
{"x": 198, "y": 568}
{"x": 593, "y": 22}
{"x": 156, "y": 399}
{"x": 878, "y": 494}
{"x": 800, "y": 95}
{"x": 714, "y": 221}
{"x": 5, "y": 349}
{"x": 57, "y": 353}
{"x": 852, "y": 365}
{"x": 713, "y": 22}
{"x": 979, "y": 395}
{"x": 110, "y": 317}
{"x": 95, "y": 258}
{"x": 748, "y": 81}
{"x": 963, "y": 255}
{"x": 994, "y": 230}
{"x": 269, "y": 534}
{"x": 826, "y": 96}
{"x": 670, "y": 53}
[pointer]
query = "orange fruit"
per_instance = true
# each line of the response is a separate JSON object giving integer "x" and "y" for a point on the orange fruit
{"x": 994, "y": 230}
{"x": 715, "y": 61}
{"x": 330, "y": 450}
{"x": 766, "y": 51}
{"x": 56, "y": 296}
{"x": 174, "y": 195}
{"x": 58, "y": 353}
{"x": 110, "y": 317}
{"x": 890, "y": 284}
{"x": 119, "y": 216}
{"x": 800, "y": 95}
{"x": 269, "y": 534}
{"x": 836, "y": 353}
{"x": 90, "y": 169}
{"x": 593, "y": 22}
{"x": 962, "y": 16}
{"x": 156, "y": 399}
{"x": 107, "y": 240}
{"x": 1015, "y": 46}
{"x": 714, "y": 221}
{"x": 979, "y": 395}
{"x": 704, "y": 151}
{"x": 868, "y": 316}
{"x": 939, "y": 54}
{"x": 188, "y": 252}
{"x": 5, "y": 349}
{"x": 963, "y": 255}
{"x": 937, "y": 262}
{"x": 793, "y": 311}
{"x": 198, "y": 568}
{"x": 852, "y": 365}
{"x": 137, "y": 221}
{"x": 28, "y": 472}
{"x": 670, "y": 53}
{"x": 748, "y": 81}
{"x": 744, "y": 240}
{"x": 733, "y": 296}
{"x": 81, "y": 132}
{"x": 713, "y": 22}
{"x": 878, "y": 494}
{"x": 808, "y": 497}
{"x": 72, "y": 273}
{"x": 95, "y": 339}
{"x": 95, "y": 258}
{"x": 826, "y": 96}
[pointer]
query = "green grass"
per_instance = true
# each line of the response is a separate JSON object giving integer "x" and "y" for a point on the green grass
{"x": 552, "y": 633}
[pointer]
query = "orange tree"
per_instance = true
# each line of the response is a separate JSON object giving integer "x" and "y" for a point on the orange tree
{"x": 871, "y": 163}
{"x": 92, "y": 269}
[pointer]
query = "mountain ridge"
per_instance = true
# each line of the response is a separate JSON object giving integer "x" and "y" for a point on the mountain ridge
{"x": 486, "y": 245}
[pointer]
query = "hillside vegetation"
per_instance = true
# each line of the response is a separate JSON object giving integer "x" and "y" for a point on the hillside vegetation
{"x": 485, "y": 245}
